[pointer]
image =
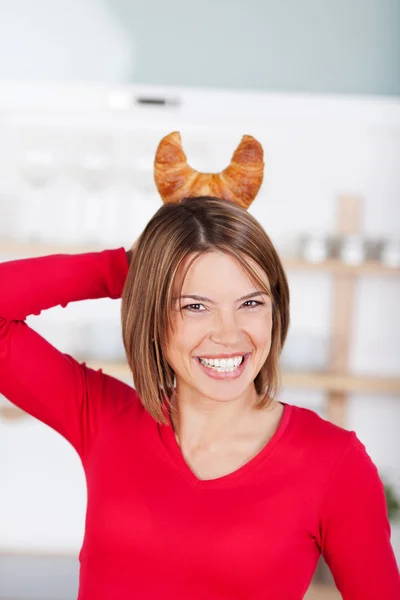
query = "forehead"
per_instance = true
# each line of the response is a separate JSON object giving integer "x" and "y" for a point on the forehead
{"x": 216, "y": 271}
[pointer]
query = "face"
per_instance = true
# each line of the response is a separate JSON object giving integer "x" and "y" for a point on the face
{"x": 223, "y": 315}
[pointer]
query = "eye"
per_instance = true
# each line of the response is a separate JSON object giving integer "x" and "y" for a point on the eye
{"x": 190, "y": 307}
{"x": 256, "y": 303}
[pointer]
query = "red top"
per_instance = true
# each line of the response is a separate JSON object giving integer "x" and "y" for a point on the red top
{"x": 153, "y": 529}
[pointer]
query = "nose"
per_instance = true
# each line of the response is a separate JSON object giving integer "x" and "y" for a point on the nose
{"x": 226, "y": 330}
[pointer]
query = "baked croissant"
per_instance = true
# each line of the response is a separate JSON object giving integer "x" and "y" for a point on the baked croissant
{"x": 239, "y": 182}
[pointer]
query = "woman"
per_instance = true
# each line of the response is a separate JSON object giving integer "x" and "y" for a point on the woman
{"x": 202, "y": 485}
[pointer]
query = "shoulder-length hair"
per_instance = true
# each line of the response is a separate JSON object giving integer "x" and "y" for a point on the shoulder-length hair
{"x": 194, "y": 225}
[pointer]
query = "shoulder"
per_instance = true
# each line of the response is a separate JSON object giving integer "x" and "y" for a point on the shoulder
{"x": 318, "y": 443}
{"x": 329, "y": 455}
{"x": 317, "y": 430}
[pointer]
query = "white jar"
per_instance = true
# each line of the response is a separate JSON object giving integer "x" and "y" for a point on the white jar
{"x": 352, "y": 249}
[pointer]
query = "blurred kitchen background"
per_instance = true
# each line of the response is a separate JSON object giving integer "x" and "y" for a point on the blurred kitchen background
{"x": 87, "y": 90}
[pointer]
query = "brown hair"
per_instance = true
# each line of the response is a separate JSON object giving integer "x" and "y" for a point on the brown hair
{"x": 194, "y": 225}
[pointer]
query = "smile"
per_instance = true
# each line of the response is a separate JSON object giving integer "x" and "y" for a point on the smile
{"x": 222, "y": 364}
{"x": 230, "y": 368}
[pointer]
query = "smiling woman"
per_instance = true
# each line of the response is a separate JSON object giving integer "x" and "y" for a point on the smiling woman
{"x": 215, "y": 248}
{"x": 200, "y": 483}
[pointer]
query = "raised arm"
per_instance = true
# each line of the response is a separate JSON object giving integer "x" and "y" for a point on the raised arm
{"x": 53, "y": 387}
{"x": 355, "y": 530}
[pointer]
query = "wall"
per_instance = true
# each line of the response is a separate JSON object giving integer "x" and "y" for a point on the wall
{"x": 334, "y": 46}
{"x": 63, "y": 40}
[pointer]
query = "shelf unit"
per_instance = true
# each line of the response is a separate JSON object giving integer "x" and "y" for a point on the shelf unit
{"x": 338, "y": 382}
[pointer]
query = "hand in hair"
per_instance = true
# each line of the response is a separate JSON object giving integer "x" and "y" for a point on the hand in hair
{"x": 131, "y": 252}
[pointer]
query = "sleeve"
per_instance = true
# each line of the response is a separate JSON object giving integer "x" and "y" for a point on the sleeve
{"x": 355, "y": 530}
{"x": 51, "y": 386}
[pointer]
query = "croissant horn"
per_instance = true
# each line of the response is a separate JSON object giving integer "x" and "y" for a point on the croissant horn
{"x": 239, "y": 182}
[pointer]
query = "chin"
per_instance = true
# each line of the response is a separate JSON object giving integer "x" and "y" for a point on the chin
{"x": 227, "y": 395}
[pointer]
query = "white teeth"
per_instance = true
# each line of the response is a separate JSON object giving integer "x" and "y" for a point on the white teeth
{"x": 222, "y": 364}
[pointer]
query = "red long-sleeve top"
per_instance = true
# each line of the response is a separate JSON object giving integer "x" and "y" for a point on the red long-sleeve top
{"x": 153, "y": 529}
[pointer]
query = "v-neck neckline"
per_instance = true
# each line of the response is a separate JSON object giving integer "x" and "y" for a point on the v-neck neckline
{"x": 168, "y": 436}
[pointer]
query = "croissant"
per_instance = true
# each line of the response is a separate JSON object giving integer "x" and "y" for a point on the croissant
{"x": 239, "y": 182}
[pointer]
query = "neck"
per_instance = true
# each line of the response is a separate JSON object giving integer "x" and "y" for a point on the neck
{"x": 206, "y": 422}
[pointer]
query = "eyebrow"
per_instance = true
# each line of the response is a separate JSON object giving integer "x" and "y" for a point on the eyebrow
{"x": 204, "y": 299}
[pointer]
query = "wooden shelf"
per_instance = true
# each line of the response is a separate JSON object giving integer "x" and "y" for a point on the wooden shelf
{"x": 342, "y": 383}
{"x": 331, "y": 266}
{"x": 9, "y": 248}
{"x": 326, "y": 382}
{"x": 336, "y": 267}
{"x": 301, "y": 380}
